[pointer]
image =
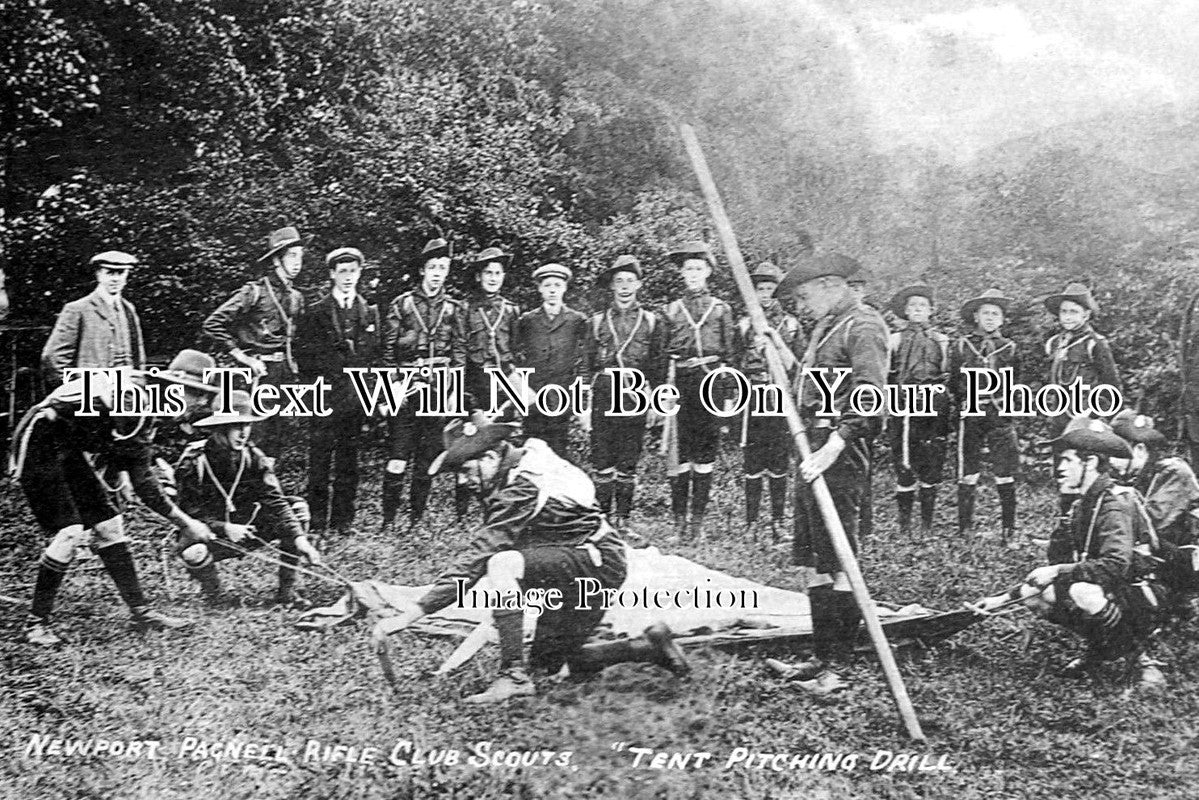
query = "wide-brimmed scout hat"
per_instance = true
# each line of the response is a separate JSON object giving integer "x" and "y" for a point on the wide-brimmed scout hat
{"x": 112, "y": 259}
{"x": 489, "y": 255}
{"x": 899, "y": 301}
{"x": 1078, "y": 292}
{"x": 1134, "y": 428}
{"x": 692, "y": 249}
{"x": 282, "y": 239}
{"x": 239, "y": 413}
{"x": 551, "y": 271}
{"x": 991, "y": 297}
{"x": 467, "y": 439}
{"x": 435, "y": 248}
{"x": 187, "y": 369}
{"x": 623, "y": 263}
{"x": 766, "y": 271}
{"x": 344, "y": 254}
{"x": 815, "y": 267}
{"x": 1091, "y": 436}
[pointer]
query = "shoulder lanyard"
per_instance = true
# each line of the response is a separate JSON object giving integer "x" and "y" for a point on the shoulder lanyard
{"x": 697, "y": 327}
{"x": 437, "y": 323}
{"x": 287, "y": 323}
{"x": 616, "y": 339}
{"x": 206, "y": 468}
{"x": 492, "y": 330}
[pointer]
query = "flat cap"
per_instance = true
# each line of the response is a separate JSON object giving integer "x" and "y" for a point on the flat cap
{"x": 552, "y": 271}
{"x": 114, "y": 259}
{"x": 344, "y": 254}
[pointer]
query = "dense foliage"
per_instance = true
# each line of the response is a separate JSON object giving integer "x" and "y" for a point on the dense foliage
{"x": 183, "y": 132}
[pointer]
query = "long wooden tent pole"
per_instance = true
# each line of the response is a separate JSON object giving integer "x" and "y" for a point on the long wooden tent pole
{"x": 778, "y": 373}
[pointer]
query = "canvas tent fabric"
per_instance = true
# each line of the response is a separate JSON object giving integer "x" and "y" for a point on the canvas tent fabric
{"x": 760, "y": 613}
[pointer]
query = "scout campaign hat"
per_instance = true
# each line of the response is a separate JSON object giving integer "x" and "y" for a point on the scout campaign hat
{"x": 239, "y": 412}
{"x": 766, "y": 271}
{"x": 899, "y": 301}
{"x": 1092, "y": 436}
{"x": 344, "y": 254}
{"x": 551, "y": 271}
{"x": 436, "y": 248}
{"x": 817, "y": 267}
{"x": 282, "y": 239}
{"x": 187, "y": 369}
{"x": 485, "y": 257}
{"x": 113, "y": 259}
{"x": 1077, "y": 292}
{"x": 1134, "y": 428}
{"x": 623, "y": 263}
{"x": 991, "y": 297}
{"x": 465, "y": 440}
{"x": 692, "y": 249}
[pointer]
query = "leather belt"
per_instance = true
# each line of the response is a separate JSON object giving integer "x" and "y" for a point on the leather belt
{"x": 279, "y": 356}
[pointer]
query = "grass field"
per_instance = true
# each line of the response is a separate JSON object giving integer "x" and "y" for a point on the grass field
{"x": 995, "y": 712}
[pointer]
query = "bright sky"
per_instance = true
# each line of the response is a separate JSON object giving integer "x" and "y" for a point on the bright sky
{"x": 960, "y": 75}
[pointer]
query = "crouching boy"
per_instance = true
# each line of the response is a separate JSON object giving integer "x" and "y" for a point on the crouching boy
{"x": 1098, "y": 583}
{"x": 228, "y": 483}
{"x": 543, "y": 531}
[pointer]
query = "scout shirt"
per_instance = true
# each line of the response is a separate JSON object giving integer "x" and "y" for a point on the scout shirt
{"x": 1084, "y": 354}
{"x": 539, "y": 499}
{"x": 981, "y": 350}
{"x": 220, "y": 485}
{"x": 701, "y": 330}
{"x": 753, "y": 358}
{"x": 491, "y": 332}
{"x": 1098, "y": 543}
{"x": 424, "y": 330}
{"x": 552, "y": 347}
{"x": 854, "y": 336}
{"x": 632, "y": 338}
{"x": 919, "y": 354}
{"x": 1170, "y": 491}
{"x": 259, "y": 318}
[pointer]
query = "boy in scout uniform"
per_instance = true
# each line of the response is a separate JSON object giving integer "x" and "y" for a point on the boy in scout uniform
{"x": 340, "y": 330}
{"x": 985, "y": 347}
{"x": 543, "y": 531}
{"x": 700, "y": 336}
{"x": 101, "y": 330}
{"x": 1097, "y": 582}
{"x": 625, "y": 335}
{"x": 1076, "y": 352}
{"x": 426, "y": 328}
{"x": 766, "y": 440}
{"x": 255, "y": 327}
{"x": 550, "y": 341}
{"x": 848, "y": 334}
{"x": 68, "y": 465}
{"x": 919, "y": 355}
{"x": 228, "y": 483}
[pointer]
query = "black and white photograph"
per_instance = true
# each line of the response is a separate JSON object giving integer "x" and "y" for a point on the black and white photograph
{"x": 763, "y": 399}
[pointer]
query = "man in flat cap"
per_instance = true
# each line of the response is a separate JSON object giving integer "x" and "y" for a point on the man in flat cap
{"x": 701, "y": 335}
{"x": 985, "y": 347}
{"x": 1097, "y": 583}
{"x": 339, "y": 331}
{"x": 544, "y": 531}
{"x": 100, "y": 330}
{"x": 69, "y": 466}
{"x": 848, "y": 334}
{"x": 550, "y": 341}
{"x": 255, "y": 328}
{"x": 766, "y": 440}
{"x": 919, "y": 356}
{"x": 228, "y": 483}
{"x": 1076, "y": 352}
{"x": 426, "y": 329}
{"x": 627, "y": 336}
